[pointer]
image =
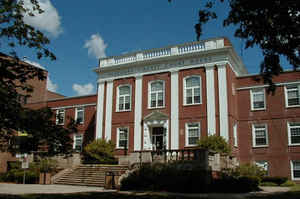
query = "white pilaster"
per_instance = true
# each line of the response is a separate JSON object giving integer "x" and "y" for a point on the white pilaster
{"x": 174, "y": 110}
{"x": 100, "y": 103}
{"x": 138, "y": 114}
{"x": 223, "y": 102}
{"x": 108, "y": 111}
{"x": 210, "y": 94}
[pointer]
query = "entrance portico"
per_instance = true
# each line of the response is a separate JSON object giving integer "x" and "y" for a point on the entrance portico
{"x": 156, "y": 131}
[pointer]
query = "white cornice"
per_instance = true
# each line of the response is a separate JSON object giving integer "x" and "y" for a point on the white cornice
{"x": 265, "y": 85}
{"x": 73, "y": 106}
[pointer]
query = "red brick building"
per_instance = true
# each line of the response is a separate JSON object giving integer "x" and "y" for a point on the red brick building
{"x": 171, "y": 97}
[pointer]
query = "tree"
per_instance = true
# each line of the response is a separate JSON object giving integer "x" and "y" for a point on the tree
{"x": 14, "y": 75}
{"x": 274, "y": 26}
{"x": 215, "y": 143}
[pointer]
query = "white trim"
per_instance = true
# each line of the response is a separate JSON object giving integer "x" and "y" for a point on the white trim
{"x": 235, "y": 137}
{"x": 74, "y": 140}
{"x": 118, "y": 137}
{"x": 289, "y": 134}
{"x": 210, "y": 102}
{"x": 286, "y": 96}
{"x": 76, "y": 114}
{"x": 266, "y": 86}
{"x": 174, "y": 110}
{"x": 187, "y": 133}
{"x": 223, "y": 102}
{"x": 254, "y": 135}
{"x": 252, "y": 92}
{"x": 118, "y": 95}
{"x": 149, "y": 95}
{"x": 184, "y": 90}
{"x": 100, "y": 107}
{"x": 73, "y": 106}
{"x": 292, "y": 169}
{"x": 109, "y": 103}
{"x": 138, "y": 113}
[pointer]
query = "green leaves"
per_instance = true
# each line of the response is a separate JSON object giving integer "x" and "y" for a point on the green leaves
{"x": 215, "y": 143}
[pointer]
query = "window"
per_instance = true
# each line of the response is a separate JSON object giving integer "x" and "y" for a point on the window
{"x": 192, "y": 134}
{"x": 294, "y": 133}
{"x": 192, "y": 90}
{"x": 292, "y": 95}
{"x": 235, "y": 141}
{"x": 122, "y": 137}
{"x": 264, "y": 165}
{"x": 124, "y": 98}
{"x": 156, "y": 94}
{"x": 259, "y": 135}
{"x": 79, "y": 115}
{"x": 295, "y": 169}
{"x": 60, "y": 116}
{"x": 77, "y": 142}
{"x": 258, "y": 99}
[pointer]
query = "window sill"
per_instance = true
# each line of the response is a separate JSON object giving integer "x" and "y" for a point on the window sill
{"x": 260, "y": 146}
{"x": 117, "y": 111}
{"x": 258, "y": 109}
{"x": 294, "y": 145}
{"x": 192, "y": 104}
{"x": 294, "y": 106}
{"x": 161, "y": 107}
{"x": 192, "y": 145}
{"x": 121, "y": 148}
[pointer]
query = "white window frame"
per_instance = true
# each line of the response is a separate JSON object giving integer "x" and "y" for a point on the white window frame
{"x": 185, "y": 90}
{"x": 286, "y": 95}
{"x": 60, "y": 111}
{"x": 292, "y": 169}
{"x": 74, "y": 140}
{"x": 257, "y": 91}
{"x": 118, "y": 137}
{"x": 289, "y": 133}
{"x": 263, "y": 164}
{"x": 187, "y": 144}
{"x": 150, "y": 92}
{"x": 254, "y": 128}
{"x": 77, "y": 109}
{"x": 118, "y": 96}
{"x": 235, "y": 138}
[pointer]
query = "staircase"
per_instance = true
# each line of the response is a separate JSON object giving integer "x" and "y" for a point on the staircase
{"x": 88, "y": 175}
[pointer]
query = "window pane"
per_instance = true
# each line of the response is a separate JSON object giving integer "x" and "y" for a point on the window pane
{"x": 193, "y": 140}
{"x": 124, "y": 90}
{"x": 157, "y": 86}
{"x": 192, "y": 82}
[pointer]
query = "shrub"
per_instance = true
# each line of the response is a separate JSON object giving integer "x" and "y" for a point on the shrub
{"x": 268, "y": 184}
{"x": 47, "y": 165}
{"x": 215, "y": 143}
{"x": 250, "y": 170}
{"x": 276, "y": 179}
{"x": 99, "y": 151}
{"x": 288, "y": 183}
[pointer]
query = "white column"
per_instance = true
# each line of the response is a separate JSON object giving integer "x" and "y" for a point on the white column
{"x": 108, "y": 111}
{"x": 174, "y": 110}
{"x": 210, "y": 94}
{"x": 138, "y": 114}
{"x": 223, "y": 102}
{"x": 100, "y": 103}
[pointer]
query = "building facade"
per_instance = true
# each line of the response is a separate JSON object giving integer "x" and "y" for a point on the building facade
{"x": 169, "y": 98}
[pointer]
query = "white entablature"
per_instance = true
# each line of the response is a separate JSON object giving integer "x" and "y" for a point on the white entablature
{"x": 204, "y": 53}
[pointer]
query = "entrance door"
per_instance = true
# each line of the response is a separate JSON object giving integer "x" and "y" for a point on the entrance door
{"x": 157, "y": 138}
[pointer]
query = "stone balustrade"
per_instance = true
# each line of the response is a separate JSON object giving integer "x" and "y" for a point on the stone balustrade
{"x": 163, "y": 52}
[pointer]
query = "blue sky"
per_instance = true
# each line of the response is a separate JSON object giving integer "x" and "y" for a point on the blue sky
{"x": 81, "y": 31}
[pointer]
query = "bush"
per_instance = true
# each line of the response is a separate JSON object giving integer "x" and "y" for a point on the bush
{"x": 276, "y": 179}
{"x": 47, "y": 165}
{"x": 268, "y": 184}
{"x": 250, "y": 170}
{"x": 167, "y": 177}
{"x": 288, "y": 183}
{"x": 215, "y": 143}
{"x": 99, "y": 151}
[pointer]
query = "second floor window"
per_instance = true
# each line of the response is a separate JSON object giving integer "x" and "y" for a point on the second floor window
{"x": 124, "y": 98}
{"x": 156, "y": 94}
{"x": 258, "y": 99}
{"x": 259, "y": 135}
{"x": 79, "y": 115}
{"x": 192, "y": 90}
{"x": 294, "y": 133}
{"x": 292, "y": 95}
{"x": 60, "y": 116}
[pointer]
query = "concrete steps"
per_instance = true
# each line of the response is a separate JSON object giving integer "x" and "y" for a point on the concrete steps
{"x": 89, "y": 175}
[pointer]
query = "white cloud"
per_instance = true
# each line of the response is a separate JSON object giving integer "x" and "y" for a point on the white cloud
{"x": 96, "y": 46}
{"x": 48, "y": 21}
{"x": 85, "y": 89}
{"x": 51, "y": 86}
